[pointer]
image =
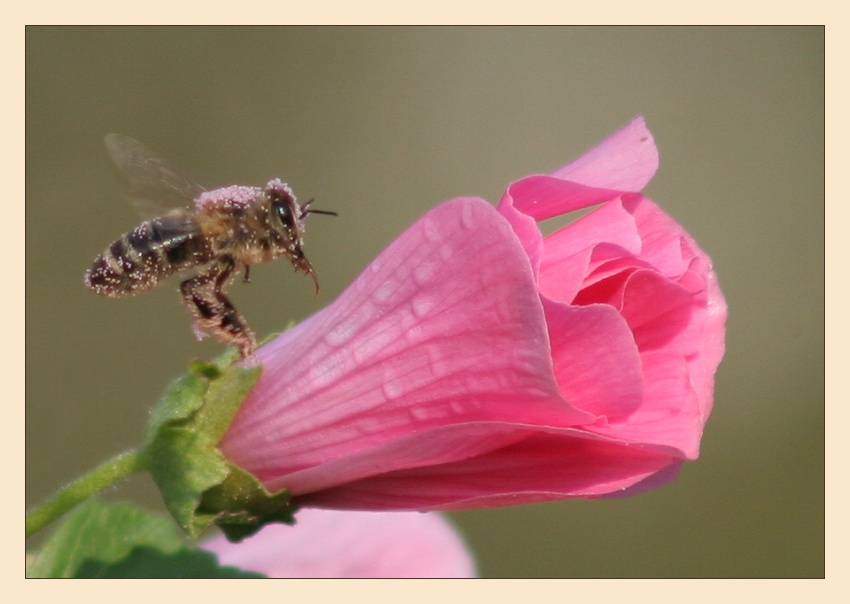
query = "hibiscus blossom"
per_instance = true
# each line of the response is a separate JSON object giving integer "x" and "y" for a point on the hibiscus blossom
{"x": 477, "y": 363}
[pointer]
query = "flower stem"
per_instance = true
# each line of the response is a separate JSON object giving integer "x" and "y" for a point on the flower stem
{"x": 84, "y": 487}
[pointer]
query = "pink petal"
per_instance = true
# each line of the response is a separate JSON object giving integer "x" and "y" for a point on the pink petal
{"x": 573, "y": 252}
{"x": 434, "y": 446}
{"x": 610, "y": 224}
{"x": 656, "y": 309}
{"x": 711, "y": 344}
{"x": 543, "y": 197}
{"x": 543, "y": 467}
{"x": 536, "y": 198}
{"x": 625, "y": 161}
{"x": 675, "y": 254}
{"x": 596, "y": 361}
{"x": 666, "y": 246}
{"x": 526, "y": 230}
{"x": 444, "y": 328}
{"x": 671, "y": 417}
{"x": 333, "y": 544}
{"x": 653, "y": 481}
{"x": 680, "y": 336}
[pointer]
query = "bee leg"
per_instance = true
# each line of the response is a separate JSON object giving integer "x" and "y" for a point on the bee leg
{"x": 232, "y": 322}
{"x": 213, "y": 312}
{"x": 247, "y": 278}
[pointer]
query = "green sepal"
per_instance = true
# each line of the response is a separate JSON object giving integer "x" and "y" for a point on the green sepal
{"x": 184, "y": 464}
{"x": 243, "y": 505}
{"x": 198, "y": 484}
{"x": 181, "y": 399}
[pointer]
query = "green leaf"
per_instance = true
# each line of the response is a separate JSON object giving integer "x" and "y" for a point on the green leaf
{"x": 119, "y": 540}
{"x": 145, "y": 562}
{"x": 99, "y": 532}
{"x": 198, "y": 485}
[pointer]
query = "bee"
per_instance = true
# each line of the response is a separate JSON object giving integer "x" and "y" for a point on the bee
{"x": 220, "y": 231}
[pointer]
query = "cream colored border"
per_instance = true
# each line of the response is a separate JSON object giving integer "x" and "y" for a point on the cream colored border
{"x": 16, "y": 16}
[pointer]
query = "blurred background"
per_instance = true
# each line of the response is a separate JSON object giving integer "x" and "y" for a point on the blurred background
{"x": 381, "y": 124}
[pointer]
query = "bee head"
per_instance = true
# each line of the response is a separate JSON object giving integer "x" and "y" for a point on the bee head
{"x": 286, "y": 210}
{"x": 286, "y": 207}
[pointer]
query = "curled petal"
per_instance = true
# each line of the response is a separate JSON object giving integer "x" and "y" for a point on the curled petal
{"x": 536, "y": 198}
{"x": 572, "y": 254}
{"x": 543, "y": 197}
{"x": 626, "y": 161}
{"x": 597, "y": 363}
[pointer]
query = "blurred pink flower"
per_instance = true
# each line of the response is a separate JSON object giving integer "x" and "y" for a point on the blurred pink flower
{"x": 476, "y": 363}
{"x": 335, "y": 544}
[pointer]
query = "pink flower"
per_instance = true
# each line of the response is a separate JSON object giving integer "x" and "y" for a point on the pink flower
{"x": 476, "y": 363}
{"x": 330, "y": 543}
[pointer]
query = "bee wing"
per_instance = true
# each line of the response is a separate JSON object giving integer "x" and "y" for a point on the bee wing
{"x": 153, "y": 183}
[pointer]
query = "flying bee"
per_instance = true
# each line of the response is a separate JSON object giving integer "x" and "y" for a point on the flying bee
{"x": 220, "y": 231}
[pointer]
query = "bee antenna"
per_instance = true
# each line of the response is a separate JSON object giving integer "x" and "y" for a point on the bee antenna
{"x": 305, "y": 209}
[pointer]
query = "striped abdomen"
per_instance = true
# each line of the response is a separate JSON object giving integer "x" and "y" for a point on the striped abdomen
{"x": 152, "y": 251}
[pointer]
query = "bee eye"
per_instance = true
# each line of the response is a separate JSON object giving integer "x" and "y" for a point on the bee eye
{"x": 285, "y": 214}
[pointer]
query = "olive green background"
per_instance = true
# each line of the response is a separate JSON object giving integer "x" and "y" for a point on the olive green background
{"x": 381, "y": 124}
